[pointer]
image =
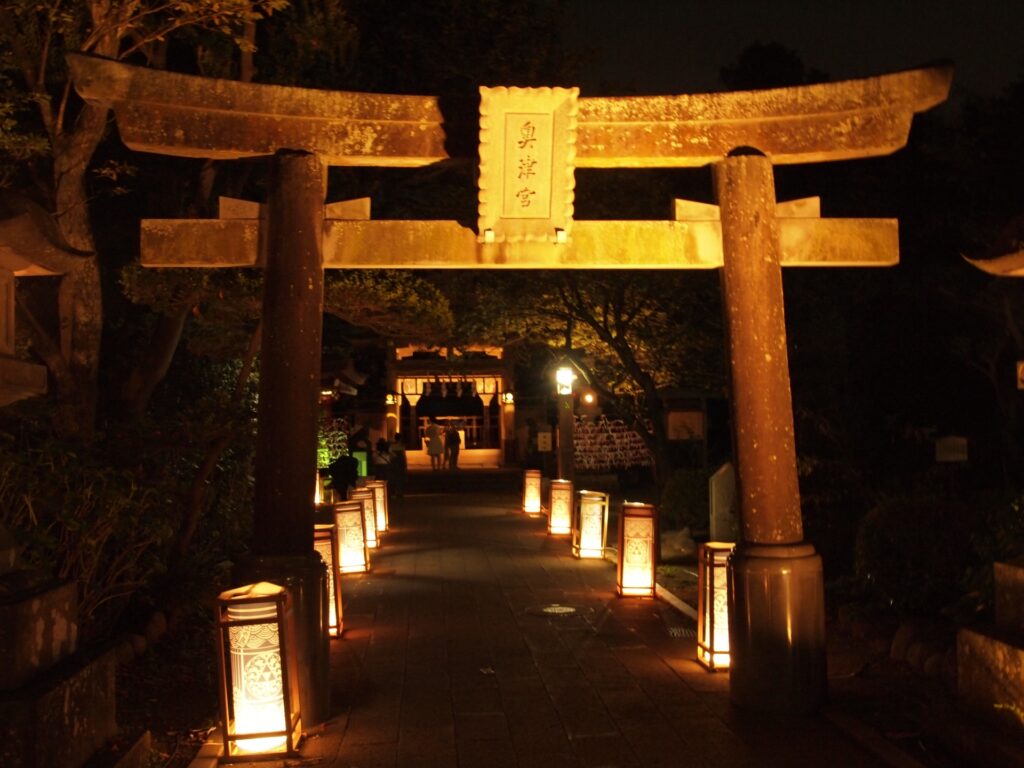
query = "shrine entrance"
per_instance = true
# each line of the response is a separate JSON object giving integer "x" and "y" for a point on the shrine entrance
{"x": 530, "y": 143}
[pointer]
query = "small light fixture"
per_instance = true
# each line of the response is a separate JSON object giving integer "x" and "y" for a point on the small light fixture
{"x": 561, "y": 236}
{"x": 489, "y": 236}
{"x": 590, "y": 525}
{"x": 531, "y": 491}
{"x": 638, "y": 549}
{"x": 325, "y": 542}
{"x": 390, "y": 399}
{"x": 588, "y": 398}
{"x": 259, "y": 695}
{"x": 713, "y": 604}
{"x": 353, "y": 555}
{"x": 380, "y": 502}
{"x": 365, "y": 497}
{"x": 564, "y": 377}
{"x": 560, "y": 507}
{"x": 508, "y": 398}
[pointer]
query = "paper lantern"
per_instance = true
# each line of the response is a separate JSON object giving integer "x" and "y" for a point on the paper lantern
{"x": 638, "y": 549}
{"x": 259, "y": 693}
{"x": 365, "y": 497}
{"x": 380, "y": 502}
{"x": 713, "y": 604}
{"x": 590, "y": 525}
{"x": 560, "y": 507}
{"x": 531, "y": 491}
{"x": 325, "y": 542}
{"x": 353, "y": 555}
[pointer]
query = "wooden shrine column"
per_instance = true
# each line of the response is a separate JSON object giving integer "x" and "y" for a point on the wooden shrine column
{"x": 293, "y": 301}
{"x": 777, "y": 608}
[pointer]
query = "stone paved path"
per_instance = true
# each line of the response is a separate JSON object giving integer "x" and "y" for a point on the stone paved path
{"x": 449, "y": 659}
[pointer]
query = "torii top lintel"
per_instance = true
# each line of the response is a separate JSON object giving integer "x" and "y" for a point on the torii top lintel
{"x": 176, "y": 114}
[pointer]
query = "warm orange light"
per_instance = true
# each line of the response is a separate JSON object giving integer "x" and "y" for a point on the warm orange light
{"x": 380, "y": 503}
{"x": 560, "y": 507}
{"x": 365, "y": 497}
{"x": 259, "y": 694}
{"x": 318, "y": 495}
{"x": 590, "y": 525}
{"x": 325, "y": 542}
{"x": 638, "y": 549}
{"x": 353, "y": 555}
{"x": 508, "y": 398}
{"x": 588, "y": 398}
{"x": 564, "y": 377}
{"x": 713, "y": 604}
{"x": 531, "y": 491}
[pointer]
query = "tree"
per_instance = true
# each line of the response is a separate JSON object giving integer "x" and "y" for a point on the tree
{"x": 37, "y": 34}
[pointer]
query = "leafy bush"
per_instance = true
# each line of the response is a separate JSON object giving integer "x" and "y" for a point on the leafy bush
{"x": 915, "y": 551}
{"x": 684, "y": 500}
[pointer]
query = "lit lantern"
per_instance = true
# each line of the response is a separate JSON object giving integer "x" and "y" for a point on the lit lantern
{"x": 259, "y": 693}
{"x": 365, "y": 497}
{"x": 590, "y": 524}
{"x": 380, "y": 502}
{"x": 531, "y": 491}
{"x": 353, "y": 556}
{"x": 325, "y": 542}
{"x": 713, "y": 604}
{"x": 564, "y": 377}
{"x": 560, "y": 507}
{"x": 638, "y": 549}
{"x": 318, "y": 496}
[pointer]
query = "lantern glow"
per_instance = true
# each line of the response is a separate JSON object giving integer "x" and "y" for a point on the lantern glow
{"x": 259, "y": 694}
{"x": 638, "y": 542}
{"x": 590, "y": 525}
{"x": 325, "y": 542}
{"x": 560, "y": 507}
{"x": 380, "y": 502}
{"x": 365, "y": 497}
{"x": 564, "y": 378}
{"x": 353, "y": 556}
{"x": 713, "y": 604}
{"x": 531, "y": 491}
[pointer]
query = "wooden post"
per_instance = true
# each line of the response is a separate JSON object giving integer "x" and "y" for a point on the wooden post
{"x": 566, "y": 441}
{"x": 293, "y": 299}
{"x": 777, "y": 609}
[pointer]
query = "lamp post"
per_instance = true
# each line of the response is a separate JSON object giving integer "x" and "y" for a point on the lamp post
{"x": 564, "y": 378}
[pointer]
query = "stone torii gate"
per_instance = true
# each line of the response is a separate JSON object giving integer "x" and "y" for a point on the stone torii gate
{"x": 526, "y": 222}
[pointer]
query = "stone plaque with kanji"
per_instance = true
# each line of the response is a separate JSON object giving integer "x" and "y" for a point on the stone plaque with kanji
{"x": 527, "y": 164}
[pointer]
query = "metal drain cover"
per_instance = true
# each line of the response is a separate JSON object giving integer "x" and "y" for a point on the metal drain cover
{"x": 552, "y": 610}
{"x": 684, "y": 632}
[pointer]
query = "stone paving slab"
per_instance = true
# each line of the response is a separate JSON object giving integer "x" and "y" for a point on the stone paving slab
{"x": 449, "y": 660}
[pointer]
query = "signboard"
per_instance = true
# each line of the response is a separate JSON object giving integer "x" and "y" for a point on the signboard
{"x": 544, "y": 442}
{"x": 527, "y": 170}
{"x": 951, "y": 449}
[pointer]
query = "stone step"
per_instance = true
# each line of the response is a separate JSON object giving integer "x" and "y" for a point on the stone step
{"x": 990, "y": 674}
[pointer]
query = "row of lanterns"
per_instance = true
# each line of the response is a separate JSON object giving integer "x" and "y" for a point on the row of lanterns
{"x": 259, "y": 693}
{"x": 586, "y": 521}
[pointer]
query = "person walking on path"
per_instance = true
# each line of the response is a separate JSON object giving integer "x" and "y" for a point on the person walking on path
{"x": 452, "y": 442}
{"x": 399, "y": 468}
{"x": 435, "y": 445}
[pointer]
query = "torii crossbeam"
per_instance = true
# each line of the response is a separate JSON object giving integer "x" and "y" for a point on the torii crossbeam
{"x": 778, "y": 633}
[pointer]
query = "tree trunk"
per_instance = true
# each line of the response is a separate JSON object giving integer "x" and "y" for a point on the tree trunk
{"x": 156, "y": 359}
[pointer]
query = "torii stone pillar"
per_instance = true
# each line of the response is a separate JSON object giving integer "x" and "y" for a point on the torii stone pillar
{"x": 285, "y": 472}
{"x": 777, "y": 598}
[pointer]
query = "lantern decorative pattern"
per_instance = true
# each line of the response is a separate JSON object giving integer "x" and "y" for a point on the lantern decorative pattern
{"x": 350, "y": 522}
{"x": 325, "y": 542}
{"x": 638, "y": 548}
{"x": 259, "y": 694}
{"x": 560, "y": 507}
{"x": 590, "y": 525}
{"x": 365, "y": 497}
{"x": 380, "y": 503}
{"x": 713, "y": 604}
{"x": 531, "y": 491}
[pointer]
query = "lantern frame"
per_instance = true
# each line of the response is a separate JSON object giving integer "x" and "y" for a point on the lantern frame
{"x": 345, "y": 514}
{"x": 713, "y": 604}
{"x": 560, "y": 497}
{"x": 380, "y": 503}
{"x": 584, "y": 549}
{"x": 636, "y": 515}
{"x": 328, "y": 532}
{"x": 252, "y": 594}
{"x": 532, "y": 492}
{"x": 365, "y": 496}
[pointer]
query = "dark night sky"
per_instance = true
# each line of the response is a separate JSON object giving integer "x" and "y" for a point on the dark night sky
{"x": 678, "y": 46}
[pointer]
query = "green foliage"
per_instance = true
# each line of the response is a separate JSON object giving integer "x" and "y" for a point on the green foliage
{"x": 684, "y": 500}
{"x": 332, "y": 441}
{"x": 79, "y": 517}
{"x": 914, "y": 551}
{"x": 395, "y": 303}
